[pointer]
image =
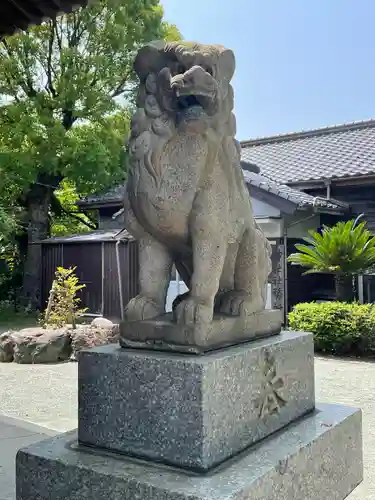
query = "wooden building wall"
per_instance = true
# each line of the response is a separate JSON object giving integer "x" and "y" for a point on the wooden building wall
{"x": 361, "y": 199}
{"x": 309, "y": 287}
{"x": 96, "y": 264}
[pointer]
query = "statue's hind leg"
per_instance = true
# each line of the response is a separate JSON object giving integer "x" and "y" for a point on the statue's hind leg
{"x": 227, "y": 277}
{"x": 251, "y": 271}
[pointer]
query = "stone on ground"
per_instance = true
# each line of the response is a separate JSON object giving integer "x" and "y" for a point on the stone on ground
{"x": 85, "y": 337}
{"x": 44, "y": 345}
{"x": 102, "y": 323}
{"x": 6, "y": 347}
{"x": 39, "y": 345}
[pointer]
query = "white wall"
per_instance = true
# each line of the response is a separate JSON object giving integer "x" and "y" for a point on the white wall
{"x": 272, "y": 228}
{"x": 262, "y": 209}
{"x": 297, "y": 226}
{"x": 177, "y": 288}
{"x": 268, "y": 218}
{"x": 300, "y": 229}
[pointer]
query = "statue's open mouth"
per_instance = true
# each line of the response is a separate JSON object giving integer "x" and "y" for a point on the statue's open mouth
{"x": 186, "y": 101}
{"x": 198, "y": 102}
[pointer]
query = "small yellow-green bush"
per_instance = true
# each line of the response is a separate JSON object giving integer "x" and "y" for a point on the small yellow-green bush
{"x": 338, "y": 327}
{"x": 63, "y": 304}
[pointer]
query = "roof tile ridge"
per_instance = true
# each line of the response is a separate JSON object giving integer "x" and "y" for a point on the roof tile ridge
{"x": 289, "y": 136}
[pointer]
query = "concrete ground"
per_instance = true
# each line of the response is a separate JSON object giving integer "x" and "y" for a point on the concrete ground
{"x": 15, "y": 434}
{"x": 46, "y": 395}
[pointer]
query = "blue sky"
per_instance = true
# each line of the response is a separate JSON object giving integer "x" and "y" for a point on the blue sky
{"x": 300, "y": 63}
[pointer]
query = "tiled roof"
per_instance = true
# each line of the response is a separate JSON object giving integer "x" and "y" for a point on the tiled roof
{"x": 333, "y": 152}
{"x": 92, "y": 237}
{"x": 299, "y": 198}
{"x": 114, "y": 195}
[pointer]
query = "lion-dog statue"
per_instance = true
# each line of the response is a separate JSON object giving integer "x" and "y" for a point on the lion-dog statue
{"x": 187, "y": 202}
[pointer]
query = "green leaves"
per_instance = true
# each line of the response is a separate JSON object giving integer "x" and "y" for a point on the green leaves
{"x": 63, "y": 305}
{"x": 66, "y": 89}
{"x": 94, "y": 157}
{"x": 66, "y": 95}
{"x": 346, "y": 248}
{"x": 7, "y": 226}
{"x": 66, "y": 219}
{"x": 338, "y": 327}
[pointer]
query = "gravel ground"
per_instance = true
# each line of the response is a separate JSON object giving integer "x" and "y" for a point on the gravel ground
{"x": 352, "y": 383}
{"x": 47, "y": 395}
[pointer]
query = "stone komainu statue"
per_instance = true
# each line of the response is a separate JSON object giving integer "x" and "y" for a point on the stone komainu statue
{"x": 187, "y": 202}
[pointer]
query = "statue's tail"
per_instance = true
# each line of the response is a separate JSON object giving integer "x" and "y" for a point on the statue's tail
{"x": 184, "y": 268}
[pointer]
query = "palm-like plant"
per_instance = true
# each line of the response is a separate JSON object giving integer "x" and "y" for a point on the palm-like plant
{"x": 346, "y": 249}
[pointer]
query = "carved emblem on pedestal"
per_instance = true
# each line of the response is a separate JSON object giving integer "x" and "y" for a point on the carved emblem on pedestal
{"x": 272, "y": 397}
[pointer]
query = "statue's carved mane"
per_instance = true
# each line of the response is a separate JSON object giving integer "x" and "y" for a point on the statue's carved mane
{"x": 153, "y": 124}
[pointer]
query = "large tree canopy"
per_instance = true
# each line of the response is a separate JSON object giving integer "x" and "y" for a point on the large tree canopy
{"x": 66, "y": 93}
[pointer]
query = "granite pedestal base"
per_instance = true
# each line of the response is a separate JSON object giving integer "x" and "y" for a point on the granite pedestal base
{"x": 318, "y": 457}
{"x": 163, "y": 334}
{"x": 193, "y": 411}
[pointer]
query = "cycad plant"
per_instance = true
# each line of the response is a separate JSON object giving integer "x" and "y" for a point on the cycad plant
{"x": 346, "y": 249}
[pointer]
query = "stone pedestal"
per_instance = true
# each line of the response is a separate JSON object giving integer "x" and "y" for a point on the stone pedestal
{"x": 238, "y": 423}
{"x": 320, "y": 456}
{"x": 162, "y": 334}
{"x": 193, "y": 411}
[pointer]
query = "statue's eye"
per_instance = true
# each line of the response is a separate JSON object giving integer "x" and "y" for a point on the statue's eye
{"x": 209, "y": 70}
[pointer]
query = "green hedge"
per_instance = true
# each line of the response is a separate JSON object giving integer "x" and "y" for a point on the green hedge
{"x": 338, "y": 327}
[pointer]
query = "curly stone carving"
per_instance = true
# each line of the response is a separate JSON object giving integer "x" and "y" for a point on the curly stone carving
{"x": 187, "y": 202}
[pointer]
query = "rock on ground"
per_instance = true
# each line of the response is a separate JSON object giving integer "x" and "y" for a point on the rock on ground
{"x": 6, "y": 347}
{"x": 85, "y": 337}
{"x": 102, "y": 323}
{"x": 40, "y": 345}
{"x": 35, "y": 345}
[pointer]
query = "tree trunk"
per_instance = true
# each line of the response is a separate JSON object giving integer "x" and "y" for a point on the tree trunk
{"x": 344, "y": 287}
{"x": 38, "y": 225}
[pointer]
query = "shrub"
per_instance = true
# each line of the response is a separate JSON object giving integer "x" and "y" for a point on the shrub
{"x": 63, "y": 305}
{"x": 338, "y": 327}
{"x": 10, "y": 274}
{"x": 346, "y": 249}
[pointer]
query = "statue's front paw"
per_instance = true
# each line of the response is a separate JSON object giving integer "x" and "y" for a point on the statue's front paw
{"x": 141, "y": 307}
{"x": 236, "y": 303}
{"x": 190, "y": 312}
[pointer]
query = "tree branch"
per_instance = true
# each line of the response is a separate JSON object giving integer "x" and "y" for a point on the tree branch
{"x": 68, "y": 118}
{"x": 58, "y": 37}
{"x": 87, "y": 214}
{"x": 121, "y": 86}
{"x": 76, "y": 35}
{"x": 31, "y": 92}
{"x": 77, "y": 217}
{"x": 58, "y": 209}
{"x": 49, "y": 61}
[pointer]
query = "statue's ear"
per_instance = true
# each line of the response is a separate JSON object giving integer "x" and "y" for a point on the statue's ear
{"x": 150, "y": 59}
{"x": 227, "y": 64}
